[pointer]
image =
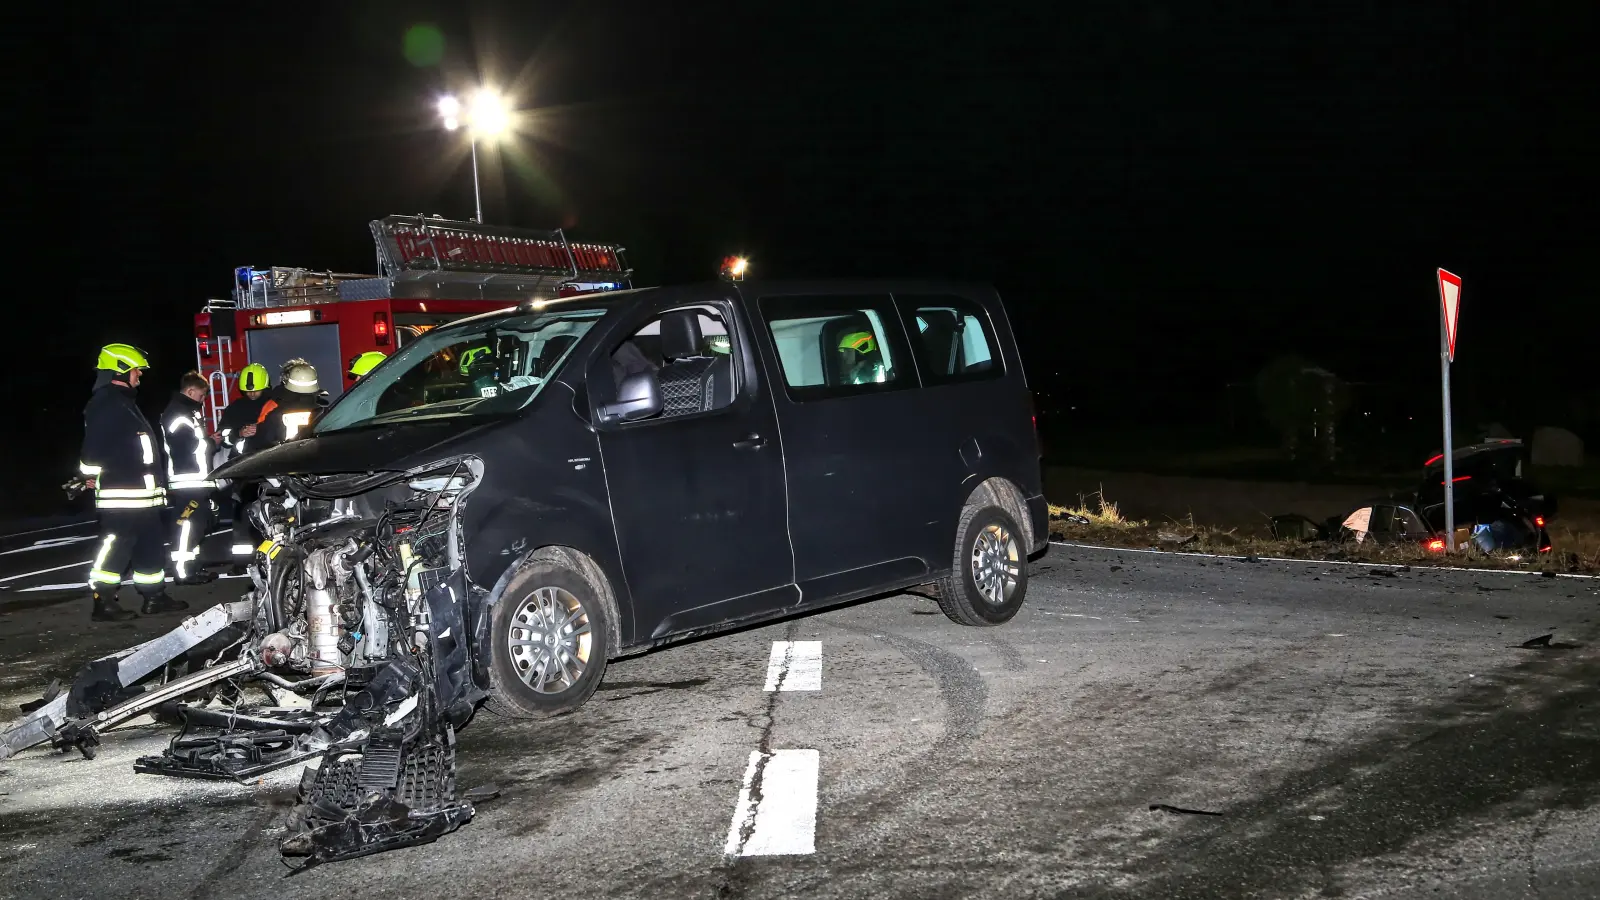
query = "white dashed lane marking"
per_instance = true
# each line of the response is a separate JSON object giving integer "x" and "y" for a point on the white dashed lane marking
{"x": 777, "y": 810}
{"x": 795, "y": 666}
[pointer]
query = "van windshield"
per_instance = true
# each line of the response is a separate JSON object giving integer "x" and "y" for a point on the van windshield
{"x": 485, "y": 368}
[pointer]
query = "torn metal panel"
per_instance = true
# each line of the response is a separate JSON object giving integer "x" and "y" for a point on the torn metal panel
{"x": 106, "y": 681}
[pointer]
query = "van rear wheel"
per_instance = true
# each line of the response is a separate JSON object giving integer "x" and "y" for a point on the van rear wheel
{"x": 549, "y": 640}
{"x": 988, "y": 578}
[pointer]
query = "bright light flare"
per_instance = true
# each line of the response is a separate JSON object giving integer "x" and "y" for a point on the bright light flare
{"x": 734, "y": 267}
{"x": 486, "y": 114}
{"x": 491, "y": 116}
{"x": 1436, "y": 545}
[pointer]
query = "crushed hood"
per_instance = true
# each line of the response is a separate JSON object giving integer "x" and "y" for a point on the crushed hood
{"x": 389, "y": 448}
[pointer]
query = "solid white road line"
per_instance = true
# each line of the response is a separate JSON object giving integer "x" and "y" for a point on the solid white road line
{"x": 795, "y": 666}
{"x": 14, "y": 534}
{"x": 47, "y": 543}
{"x": 86, "y": 562}
{"x": 1319, "y": 562}
{"x": 782, "y": 821}
{"x": 81, "y": 585}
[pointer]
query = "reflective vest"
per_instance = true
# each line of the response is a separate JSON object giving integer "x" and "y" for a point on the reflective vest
{"x": 188, "y": 452}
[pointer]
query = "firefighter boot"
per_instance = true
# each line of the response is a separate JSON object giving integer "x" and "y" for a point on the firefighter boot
{"x": 160, "y": 603}
{"x": 107, "y": 609}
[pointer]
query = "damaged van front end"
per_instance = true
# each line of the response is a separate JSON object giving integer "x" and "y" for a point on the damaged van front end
{"x": 362, "y": 613}
{"x": 361, "y": 584}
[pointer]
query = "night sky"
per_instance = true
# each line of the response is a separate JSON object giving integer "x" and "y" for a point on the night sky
{"x": 1167, "y": 195}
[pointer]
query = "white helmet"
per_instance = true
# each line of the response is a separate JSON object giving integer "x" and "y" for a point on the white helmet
{"x": 301, "y": 378}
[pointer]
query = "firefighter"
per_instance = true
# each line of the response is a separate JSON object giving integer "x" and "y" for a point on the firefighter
{"x": 191, "y": 493}
{"x": 238, "y": 428}
{"x": 119, "y": 454}
{"x": 288, "y": 413}
{"x": 238, "y": 422}
{"x": 365, "y": 363}
{"x": 860, "y": 359}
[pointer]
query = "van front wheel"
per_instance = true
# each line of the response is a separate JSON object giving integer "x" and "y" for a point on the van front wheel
{"x": 549, "y": 640}
{"x": 988, "y": 578}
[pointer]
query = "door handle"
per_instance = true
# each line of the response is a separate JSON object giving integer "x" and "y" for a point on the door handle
{"x": 753, "y": 442}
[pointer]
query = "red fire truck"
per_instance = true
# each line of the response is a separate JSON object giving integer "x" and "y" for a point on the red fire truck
{"x": 430, "y": 271}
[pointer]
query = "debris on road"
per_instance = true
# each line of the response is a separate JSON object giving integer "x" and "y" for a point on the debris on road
{"x": 1542, "y": 640}
{"x": 1180, "y": 811}
{"x": 355, "y": 630}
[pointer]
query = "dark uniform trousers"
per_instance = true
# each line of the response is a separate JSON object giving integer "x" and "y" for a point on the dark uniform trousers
{"x": 131, "y": 536}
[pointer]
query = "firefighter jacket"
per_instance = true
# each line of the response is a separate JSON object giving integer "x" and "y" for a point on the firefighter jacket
{"x": 188, "y": 450}
{"x": 284, "y": 417}
{"x": 121, "y": 450}
{"x": 235, "y": 417}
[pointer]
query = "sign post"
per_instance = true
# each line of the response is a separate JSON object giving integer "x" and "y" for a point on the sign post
{"x": 1449, "y": 307}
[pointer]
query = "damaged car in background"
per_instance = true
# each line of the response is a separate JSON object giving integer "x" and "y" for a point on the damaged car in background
{"x": 512, "y": 500}
{"x": 1497, "y": 508}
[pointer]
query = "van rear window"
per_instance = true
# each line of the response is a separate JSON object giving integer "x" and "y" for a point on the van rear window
{"x": 953, "y": 338}
{"x": 838, "y": 345}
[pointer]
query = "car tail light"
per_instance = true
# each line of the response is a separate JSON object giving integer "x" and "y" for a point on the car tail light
{"x": 380, "y": 328}
{"x": 1538, "y": 521}
{"x": 1436, "y": 545}
{"x": 1033, "y": 418}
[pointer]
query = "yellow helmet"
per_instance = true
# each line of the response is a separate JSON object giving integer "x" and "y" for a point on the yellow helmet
{"x": 122, "y": 358}
{"x": 859, "y": 341}
{"x": 366, "y": 362}
{"x": 253, "y": 378}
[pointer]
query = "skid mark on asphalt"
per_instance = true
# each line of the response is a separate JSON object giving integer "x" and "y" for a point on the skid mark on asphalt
{"x": 783, "y": 821}
{"x": 961, "y": 687}
{"x": 795, "y": 666}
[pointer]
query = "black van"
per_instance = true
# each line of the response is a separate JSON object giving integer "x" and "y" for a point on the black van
{"x": 533, "y": 492}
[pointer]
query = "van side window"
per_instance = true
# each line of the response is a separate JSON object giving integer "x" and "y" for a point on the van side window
{"x": 690, "y": 351}
{"x": 837, "y": 345}
{"x": 952, "y": 336}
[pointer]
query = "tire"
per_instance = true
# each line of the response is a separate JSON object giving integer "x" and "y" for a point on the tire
{"x": 960, "y": 595}
{"x": 543, "y": 590}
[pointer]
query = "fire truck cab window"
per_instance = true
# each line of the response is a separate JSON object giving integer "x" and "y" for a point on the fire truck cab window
{"x": 490, "y": 367}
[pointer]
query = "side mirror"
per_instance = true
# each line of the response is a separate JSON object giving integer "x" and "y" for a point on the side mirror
{"x": 638, "y": 397}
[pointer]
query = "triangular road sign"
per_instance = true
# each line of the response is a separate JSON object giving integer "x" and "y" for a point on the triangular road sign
{"x": 1450, "y": 301}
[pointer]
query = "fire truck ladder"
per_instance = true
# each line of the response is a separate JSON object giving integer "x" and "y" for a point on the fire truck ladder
{"x": 213, "y": 355}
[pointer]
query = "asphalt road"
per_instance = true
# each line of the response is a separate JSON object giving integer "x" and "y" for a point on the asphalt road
{"x": 1361, "y": 735}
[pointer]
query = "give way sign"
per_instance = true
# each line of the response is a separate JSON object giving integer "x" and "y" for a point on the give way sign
{"x": 1450, "y": 299}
